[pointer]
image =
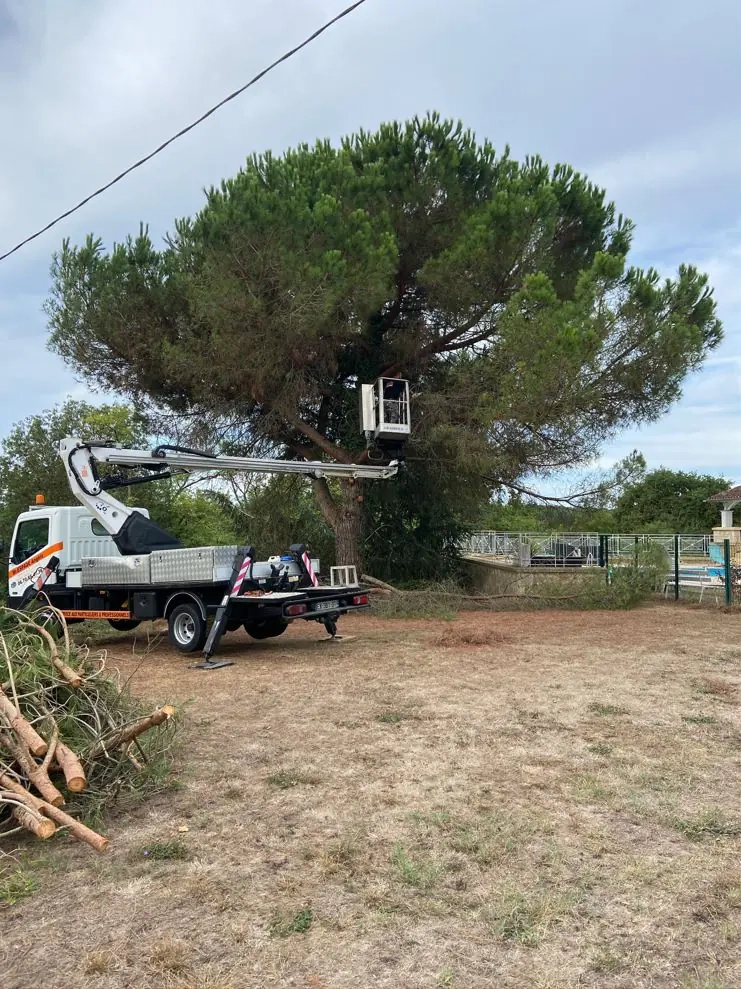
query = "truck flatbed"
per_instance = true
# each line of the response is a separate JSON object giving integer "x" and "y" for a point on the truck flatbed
{"x": 189, "y": 588}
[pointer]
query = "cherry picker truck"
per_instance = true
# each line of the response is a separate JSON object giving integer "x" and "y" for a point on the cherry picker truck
{"x": 106, "y": 560}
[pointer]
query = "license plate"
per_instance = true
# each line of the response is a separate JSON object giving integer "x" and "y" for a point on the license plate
{"x": 326, "y": 606}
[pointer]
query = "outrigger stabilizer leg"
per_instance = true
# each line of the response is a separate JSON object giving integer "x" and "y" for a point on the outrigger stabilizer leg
{"x": 240, "y": 570}
{"x": 331, "y": 626}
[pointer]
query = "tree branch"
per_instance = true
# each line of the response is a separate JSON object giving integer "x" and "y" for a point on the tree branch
{"x": 447, "y": 343}
{"x": 321, "y": 442}
{"x": 569, "y": 500}
{"x": 325, "y": 500}
{"x": 389, "y": 318}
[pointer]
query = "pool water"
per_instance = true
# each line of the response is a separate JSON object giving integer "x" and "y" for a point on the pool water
{"x": 700, "y": 571}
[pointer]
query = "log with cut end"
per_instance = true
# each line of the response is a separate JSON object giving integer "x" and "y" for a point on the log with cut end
{"x": 80, "y": 831}
{"x": 40, "y": 779}
{"x": 128, "y": 734}
{"x": 33, "y": 821}
{"x": 92, "y": 838}
{"x": 26, "y": 732}
{"x": 34, "y": 773}
{"x": 71, "y": 766}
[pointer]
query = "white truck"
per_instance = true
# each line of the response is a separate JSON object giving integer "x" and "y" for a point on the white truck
{"x": 106, "y": 560}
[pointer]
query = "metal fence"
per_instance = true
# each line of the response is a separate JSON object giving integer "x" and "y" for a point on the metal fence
{"x": 699, "y": 569}
{"x": 509, "y": 545}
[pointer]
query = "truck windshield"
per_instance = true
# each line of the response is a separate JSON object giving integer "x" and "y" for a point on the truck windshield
{"x": 32, "y": 535}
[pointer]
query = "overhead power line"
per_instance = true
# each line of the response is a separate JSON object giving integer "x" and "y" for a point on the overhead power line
{"x": 185, "y": 130}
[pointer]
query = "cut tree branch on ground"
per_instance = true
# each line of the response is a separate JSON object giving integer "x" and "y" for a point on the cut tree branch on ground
{"x": 71, "y": 676}
{"x": 463, "y": 596}
{"x": 71, "y": 766}
{"x": 129, "y": 733}
{"x": 25, "y": 732}
{"x": 381, "y": 584}
{"x": 89, "y": 722}
{"x": 79, "y": 830}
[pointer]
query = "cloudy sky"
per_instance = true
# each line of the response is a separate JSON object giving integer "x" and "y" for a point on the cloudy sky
{"x": 643, "y": 95}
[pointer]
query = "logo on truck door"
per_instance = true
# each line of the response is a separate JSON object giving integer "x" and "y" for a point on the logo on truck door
{"x": 29, "y": 567}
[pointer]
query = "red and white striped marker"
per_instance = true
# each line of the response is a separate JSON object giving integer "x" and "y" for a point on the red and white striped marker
{"x": 44, "y": 576}
{"x": 243, "y": 571}
{"x": 310, "y": 570}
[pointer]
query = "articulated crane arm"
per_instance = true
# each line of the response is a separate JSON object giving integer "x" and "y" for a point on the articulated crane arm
{"x": 134, "y": 533}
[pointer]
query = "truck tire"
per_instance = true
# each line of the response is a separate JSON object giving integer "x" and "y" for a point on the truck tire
{"x": 186, "y": 628}
{"x": 269, "y": 629}
{"x": 124, "y": 624}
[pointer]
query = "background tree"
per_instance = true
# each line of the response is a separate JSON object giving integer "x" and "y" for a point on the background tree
{"x": 499, "y": 288}
{"x": 413, "y": 526}
{"x": 30, "y": 464}
{"x": 670, "y": 501}
{"x": 283, "y": 511}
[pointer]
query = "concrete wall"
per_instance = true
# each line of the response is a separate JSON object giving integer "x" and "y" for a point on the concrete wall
{"x": 732, "y": 532}
{"x": 490, "y": 577}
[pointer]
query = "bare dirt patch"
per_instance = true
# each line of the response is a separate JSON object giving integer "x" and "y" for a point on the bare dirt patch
{"x": 515, "y": 799}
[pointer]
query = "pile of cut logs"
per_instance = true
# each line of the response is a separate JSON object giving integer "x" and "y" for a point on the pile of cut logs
{"x": 65, "y": 726}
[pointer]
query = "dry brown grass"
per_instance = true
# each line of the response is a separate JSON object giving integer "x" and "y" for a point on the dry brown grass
{"x": 718, "y": 687}
{"x": 466, "y": 633}
{"x": 98, "y": 962}
{"x": 529, "y": 799}
{"x": 170, "y": 955}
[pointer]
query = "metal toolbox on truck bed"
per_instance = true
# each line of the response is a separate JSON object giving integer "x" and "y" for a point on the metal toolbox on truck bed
{"x": 186, "y": 566}
{"x": 224, "y": 561}
{"x": 124, "y": 571}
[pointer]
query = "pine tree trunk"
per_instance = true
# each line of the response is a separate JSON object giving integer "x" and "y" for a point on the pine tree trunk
{"x": 345, "y": 516}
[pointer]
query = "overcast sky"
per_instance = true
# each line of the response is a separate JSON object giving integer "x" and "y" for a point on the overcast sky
{"x": 643, "y": 96}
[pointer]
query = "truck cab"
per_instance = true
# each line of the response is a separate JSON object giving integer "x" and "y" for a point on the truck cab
{"x": 67, "y": 532}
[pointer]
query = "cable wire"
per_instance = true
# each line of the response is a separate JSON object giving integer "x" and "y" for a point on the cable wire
{"x": 185, "y": 130}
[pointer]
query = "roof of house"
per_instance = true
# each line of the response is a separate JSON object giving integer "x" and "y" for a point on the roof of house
{"x": 732, "y": 494}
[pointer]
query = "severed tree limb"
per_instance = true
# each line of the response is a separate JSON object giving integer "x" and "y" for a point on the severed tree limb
{"x": 497, "y": 597}
{"x": 52, "y": 749}
{"x": 375, "y": 582}
{"x": 71, "y": 766}
{"x": 34, "y": 773}
{"x": 11, "y": 678}
{"x": 28, "y": 818}
{"x": 72, "y": 677}
{"x": 92, "y": 838}
{"x": 462, "y": 596}
{"x": 129, "y": 733}
{"x": 26, "y": 732}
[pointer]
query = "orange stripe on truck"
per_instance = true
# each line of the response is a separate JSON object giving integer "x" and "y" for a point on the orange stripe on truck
{"x": 42, "y": 553}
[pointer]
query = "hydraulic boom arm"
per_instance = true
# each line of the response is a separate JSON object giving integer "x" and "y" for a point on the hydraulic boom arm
{"x": 384, "y": 420}
{"x": 132, "y": 532}
{"x": 165, "y": 457}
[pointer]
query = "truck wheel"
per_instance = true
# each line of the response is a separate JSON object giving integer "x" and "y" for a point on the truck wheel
{"x": 269, "y": 629}
{"x": 123, "y": 624}
{"x": 186, "y": 628}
